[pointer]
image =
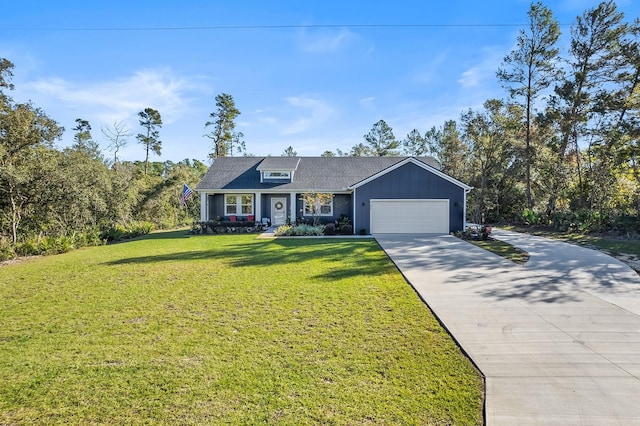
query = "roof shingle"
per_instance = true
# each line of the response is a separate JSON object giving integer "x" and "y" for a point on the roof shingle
{"x": 312, "y": 174}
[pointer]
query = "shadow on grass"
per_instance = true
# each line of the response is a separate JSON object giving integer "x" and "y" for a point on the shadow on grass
{"x": 158, "y": 235}
{"x": 282, "y": 252}
{"x": 166, "y": 235}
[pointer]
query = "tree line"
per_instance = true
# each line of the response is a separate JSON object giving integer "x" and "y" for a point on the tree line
{"x": 563, "y": 145}
{"x": 55, "y": 199}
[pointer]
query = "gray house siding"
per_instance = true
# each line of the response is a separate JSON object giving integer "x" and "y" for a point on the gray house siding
{"x": 266, "y": 204}
{"x": 341, "y": 206}
{"x": 216, "y": 206}
{"x": 409, "y": 182}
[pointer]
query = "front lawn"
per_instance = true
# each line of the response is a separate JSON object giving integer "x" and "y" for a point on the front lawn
{"x": 225, "y": 329}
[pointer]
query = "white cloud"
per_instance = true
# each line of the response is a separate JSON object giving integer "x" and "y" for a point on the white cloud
{"x": 471, "y": 77}
{"x": 119, "y": 99}
{"x": 314, "y": 113}
{"x": 367, "y": 101}
{"x": 483, "y": 71}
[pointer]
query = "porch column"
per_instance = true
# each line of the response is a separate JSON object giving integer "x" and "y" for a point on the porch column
{"x": 353, "y": 219}
{"x": 257, "y": 205}
{"x": 204, "y": 208}
{"x": 293, "y": 213}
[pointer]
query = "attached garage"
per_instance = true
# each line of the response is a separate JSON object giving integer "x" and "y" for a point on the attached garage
{"x": 415, "y": 216}
{"x": 409, "y": 197}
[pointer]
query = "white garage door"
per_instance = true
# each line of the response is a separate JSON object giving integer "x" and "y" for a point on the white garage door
{"x": 409, "y": 216}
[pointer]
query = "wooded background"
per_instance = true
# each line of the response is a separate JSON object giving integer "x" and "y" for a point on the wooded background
{"x": 561, "y": 148}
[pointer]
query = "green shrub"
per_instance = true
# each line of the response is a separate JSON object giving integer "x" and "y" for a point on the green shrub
{"x": 300, "y": 230}
{"x": 530, "y": 217}
{"x": 135, "y": 229}
{"x": 6, "y": 251}
{"x": 28, "y": 248}
{"x": 309, "y": 230}
{"x": 48, "y": 244}
{"x": 283, "y": 230}
{"x": 346, "y": 229}
{"x": 330, "y": 229}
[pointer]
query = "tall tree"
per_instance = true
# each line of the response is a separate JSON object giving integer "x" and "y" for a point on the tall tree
{"x": 237, "y": 143}
{"x": 360, "y": 150}
{"x": 151, "y": 121}
{"x": 6, "y": 74}
{"x": 627, "y": 124}
{"x": 492, "y": 136}
{"x": 592, "y": 62}
{"x": 23, "y": 129}
{"x": 449, "y": 149}
{"x": 118, "y": 136}
{"x": 531, "y": 68}
{"x": 613, "y": 148}
{"x": 415, "y": 144}
{"x": 289, "y": 152}
{"x": 83, "y": 140}
{"x": 223, "y": 123}
{"x": 381, "y": 140}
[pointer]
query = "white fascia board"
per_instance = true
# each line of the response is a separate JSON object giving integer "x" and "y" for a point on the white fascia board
{"x": 417, "y": 163}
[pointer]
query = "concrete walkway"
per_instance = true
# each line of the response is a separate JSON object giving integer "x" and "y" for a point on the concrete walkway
{"x": 558, "y": 339}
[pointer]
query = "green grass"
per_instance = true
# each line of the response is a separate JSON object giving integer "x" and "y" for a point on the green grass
{"x": 503, "y": 249}
{"x": 606, "y": 243}
{"x": 225, "y": 329}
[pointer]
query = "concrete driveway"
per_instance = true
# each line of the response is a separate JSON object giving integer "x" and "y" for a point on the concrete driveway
{"x": 558, "y": 339}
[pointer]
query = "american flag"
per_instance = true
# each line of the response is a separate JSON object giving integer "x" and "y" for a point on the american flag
{"x": 186, "y": 193}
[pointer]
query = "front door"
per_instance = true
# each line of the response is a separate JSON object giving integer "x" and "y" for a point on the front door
{"x": 278, "y": 211}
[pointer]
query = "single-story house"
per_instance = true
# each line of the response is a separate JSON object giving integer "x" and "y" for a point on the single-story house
{"x": 378, "y": 194}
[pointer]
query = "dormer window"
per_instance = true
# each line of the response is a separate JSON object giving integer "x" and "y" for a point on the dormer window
{"x": 277, "y": 175}
{"x": 278, "y": 170}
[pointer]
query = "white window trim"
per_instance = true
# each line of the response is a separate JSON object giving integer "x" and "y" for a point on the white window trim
{"x": 238, "y": 204}
{"x": 282, "y": 174}
{"x": 306, "y": 213}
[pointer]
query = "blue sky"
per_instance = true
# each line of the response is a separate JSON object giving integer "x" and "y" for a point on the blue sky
{"x": 312, "y": 88}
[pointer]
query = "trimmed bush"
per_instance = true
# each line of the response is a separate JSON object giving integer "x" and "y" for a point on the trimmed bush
{"x": 226, "y": 227}
{"x": 330, "y": 229}
{"x": 346, "y": 229}
{"x": 300, "y": 230}
{"x": 283, "y": 230}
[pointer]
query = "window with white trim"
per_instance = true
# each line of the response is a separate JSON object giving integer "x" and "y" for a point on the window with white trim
{"x": 277, "y": 175}
{"x": 241, "y": 205}
{"x": 319, "y": 209}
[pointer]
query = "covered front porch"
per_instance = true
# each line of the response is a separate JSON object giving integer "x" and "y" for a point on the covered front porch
{"x": 273, "y": 208}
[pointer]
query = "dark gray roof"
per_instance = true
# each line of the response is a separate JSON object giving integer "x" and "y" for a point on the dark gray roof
{"x": 313, "y": 173}
{"x": 279, "y": 163}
